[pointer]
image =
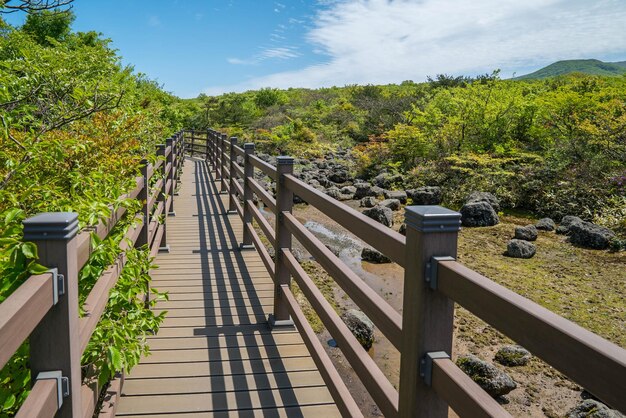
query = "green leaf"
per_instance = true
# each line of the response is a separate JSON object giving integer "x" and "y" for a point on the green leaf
{"x": 29, "y": 250}
{"x": 115, "y": 358}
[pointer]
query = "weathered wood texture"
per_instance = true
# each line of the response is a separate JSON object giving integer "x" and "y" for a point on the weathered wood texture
{"x": 214, "y": 355}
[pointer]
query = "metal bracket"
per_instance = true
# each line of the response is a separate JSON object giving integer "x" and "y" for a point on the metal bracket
{"x": 426, "y": 365}
{"x": 273, "y": 323}
{"x": 63, "y": 384}
{"x": 58, "y": 285}
{"x": 431, "y": 269}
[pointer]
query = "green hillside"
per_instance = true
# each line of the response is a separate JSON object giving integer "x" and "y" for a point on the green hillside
{"x": 590, "y": 66}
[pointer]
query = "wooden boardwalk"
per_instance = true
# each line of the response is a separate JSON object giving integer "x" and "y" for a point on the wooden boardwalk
{"x": 214, "y": 355}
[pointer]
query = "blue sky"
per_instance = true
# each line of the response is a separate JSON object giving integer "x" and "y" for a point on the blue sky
{"x": 216, "y": 46}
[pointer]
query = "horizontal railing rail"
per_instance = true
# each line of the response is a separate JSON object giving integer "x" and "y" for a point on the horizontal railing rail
{"x": 44, "y": 309}
{"x": 429, "y": 381}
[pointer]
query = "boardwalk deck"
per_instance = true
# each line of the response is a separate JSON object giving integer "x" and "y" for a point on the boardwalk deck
{"x": 214, "y": 355}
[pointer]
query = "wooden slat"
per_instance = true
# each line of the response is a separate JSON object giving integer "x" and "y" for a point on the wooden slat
{"x": 340, "y": 393}
{"x": 22, "y": 311}
{"x": 378, "y": 386}
{"x": 262, "y": 194}
{"x": 263, "y": 223}
{"x": 375, "y": 307}
{"x": 462, "y": 393}
{"x": 266, "y": 168}
{"x": 265, "y": 256}
{"x": 239, "y": 151}
{"x": 564, "y": 345}
{"x": 384, "y": 239}
{"x": 42, "y": 401}
{"x": 314, "y": 411}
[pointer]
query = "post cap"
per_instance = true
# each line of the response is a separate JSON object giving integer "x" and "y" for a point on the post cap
{"x": 432, "y": 219}
{"x": 248, "y": 145}
{"x": 233, "y": 139}
{"x": 168, "y": 140}
{"x": 284, "y": 160}
{"x": 51, "y": 226}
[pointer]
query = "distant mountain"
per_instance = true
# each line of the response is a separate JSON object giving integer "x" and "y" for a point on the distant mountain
{"x": 594, "y": 67}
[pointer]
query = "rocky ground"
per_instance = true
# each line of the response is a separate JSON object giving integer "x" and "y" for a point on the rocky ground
{"x": 584, "y": 285}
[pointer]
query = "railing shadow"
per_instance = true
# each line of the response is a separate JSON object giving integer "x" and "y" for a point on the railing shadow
{"x": 224, "y": 272}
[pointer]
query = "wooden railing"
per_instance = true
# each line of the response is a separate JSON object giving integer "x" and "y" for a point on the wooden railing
{"x": 433, "y": 282}
{"x": 44, "y": 309}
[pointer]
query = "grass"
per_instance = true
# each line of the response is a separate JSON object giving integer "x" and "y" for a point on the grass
{"x": 585, "y": 286}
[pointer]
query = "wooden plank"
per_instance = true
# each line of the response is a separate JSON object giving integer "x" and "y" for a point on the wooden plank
{"x": 225, "y": 341}
{"x": 249, "y": 318}
{"x": 222, "y": 383}
{"x": 305, "y": 411}
{"x": 231, "y": 354}
{"x": 41, "y": 402}
{"x": 22, "y": 311}
{"x": 225, "y": 401}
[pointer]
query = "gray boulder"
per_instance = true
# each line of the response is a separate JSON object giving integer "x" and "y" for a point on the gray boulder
{"x": 545, "y": 224}
{"x": 429, "y": 195}
{"x": 402, "y": 229}
{"x": 517, "y": 248}
{"x": 334, "y": 192}
{"x": 339, "y": 176}
{"x": 360, "y": 326}
{"x": 566, "y": 224}
{"x": 393, "y": 204}
{"x": 493, "y": 380}
{"x": 376, "y": 191}
{"x": 363, "y": 190}
{"x": 478, "y": 214}
{"x": 591, "y": 408}
{"x": 368, "y": 202}
{"x": 380, "y": 214}
{"x": 396, "y": 194}
{"x": 348, "y": 190}
{"x": 484, "y": 197}
{"x": 589, "y": 235}
{"x": 527, "y": 233}
{"x": 374, "y": 256}
{"x": 512, "y": 356}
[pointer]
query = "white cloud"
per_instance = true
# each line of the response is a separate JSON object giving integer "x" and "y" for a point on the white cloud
{"x": 383, "y": 41}
{"x": 280, "y": 53}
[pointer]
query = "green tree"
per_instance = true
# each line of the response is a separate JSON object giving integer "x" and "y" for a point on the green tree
{"x": 46, "y": 25}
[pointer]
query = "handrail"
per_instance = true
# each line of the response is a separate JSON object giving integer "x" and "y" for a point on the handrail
{"x": 378, "y": 386}
{"x": 385, "y": 240}
{"x": 266, "y": 168}
{"x": 547, "y": 335}
{"x": 428, "y": 303}
{"x": 262, "y": 194}
{"x": 345, "y": 403}
{"x": 22, "y": 311}
{"x": 375, "y": 307}
{"x": 60, "y": 332}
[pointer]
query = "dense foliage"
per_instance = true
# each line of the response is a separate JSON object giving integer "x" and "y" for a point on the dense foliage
{"x": 553, "y": 147}
{"x": 75, "y": 125}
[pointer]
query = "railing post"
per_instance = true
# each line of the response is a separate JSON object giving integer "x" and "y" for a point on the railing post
{"x": 193, "y": 139}
{"x": 284, "y": 203}
{"x": 427, "y": 315}
{"x": 55, "y": 343}
{"x": 144, "y": 195}
{"x": 218, "y": 161}
{"x": 161, "y": 197}
{"x": 209, "y": 149}
{"x": 248, "y": 173}
{"x": 215, "y": 153}
{"x": 231, "y": 175}
{"x": 224, "y": 173}
{"x": 171, "y": 142}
